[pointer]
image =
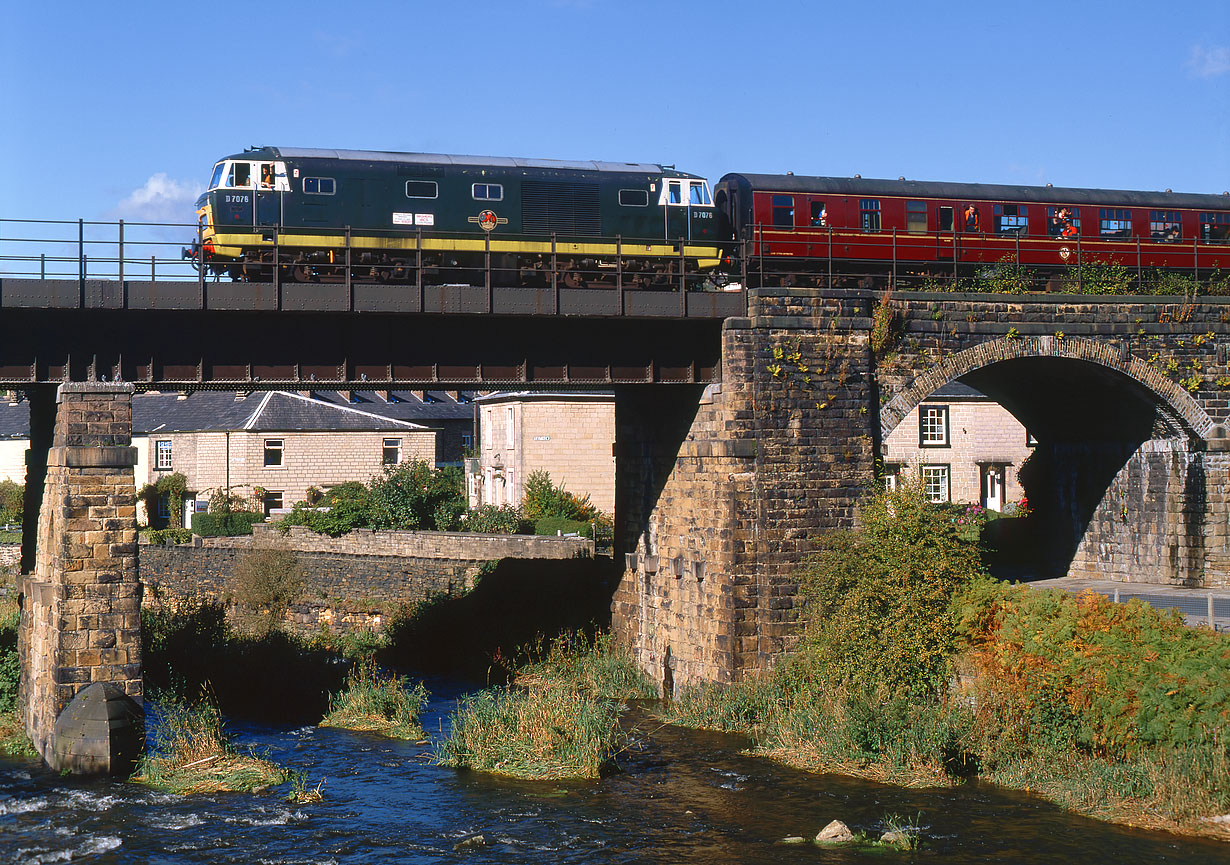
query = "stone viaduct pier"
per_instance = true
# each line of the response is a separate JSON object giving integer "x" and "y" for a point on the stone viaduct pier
{"x": 79, "y": 637}
{"x": 1128, "y": 399}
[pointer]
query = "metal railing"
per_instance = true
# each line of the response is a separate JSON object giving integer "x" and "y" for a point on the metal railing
{"x": 139, "y": 251}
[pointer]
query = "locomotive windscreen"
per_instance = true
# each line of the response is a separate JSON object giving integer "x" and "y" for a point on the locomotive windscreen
{"x": 565, "y": 208}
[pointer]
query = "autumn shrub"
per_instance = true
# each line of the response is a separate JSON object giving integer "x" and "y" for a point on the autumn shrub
{"x": 266, "y": 581}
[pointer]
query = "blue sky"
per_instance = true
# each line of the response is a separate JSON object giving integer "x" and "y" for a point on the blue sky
{"x": 120, "y": 109}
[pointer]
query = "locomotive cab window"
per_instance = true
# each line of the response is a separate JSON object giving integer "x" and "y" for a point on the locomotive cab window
{"x": 674, "y": 192}
{"x": 1011, "y": 219}
{"x": 422, "y": 189}
{"x": 488, "y": 192}
{"x": 699, "y": 193}
{"x": 1115, "y": 223}
{"x": 241, "y": 174}
{"x": 1164, "y": 225}
{"x": 916, "y": 216}
{"x": 216, "y": 180}
{"x": 319, "y": 186}
{"x": 783, "y": 211}
{"x": 634, "y": 198}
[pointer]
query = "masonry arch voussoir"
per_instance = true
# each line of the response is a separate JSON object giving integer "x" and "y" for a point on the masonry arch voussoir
{"x": 1178, "y": 403}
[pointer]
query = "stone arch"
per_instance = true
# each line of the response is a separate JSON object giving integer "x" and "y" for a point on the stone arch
{"x": 1175, "y": 402}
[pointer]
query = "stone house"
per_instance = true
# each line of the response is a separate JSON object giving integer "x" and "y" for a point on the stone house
{"x": 966, "y": 447}
{"x": 278, "y": 443}
{"x": 569, "y": 435}
{"x": 14, "y": 436}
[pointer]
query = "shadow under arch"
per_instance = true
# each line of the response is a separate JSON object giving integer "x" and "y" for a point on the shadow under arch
{"x": 1092, "y": 409}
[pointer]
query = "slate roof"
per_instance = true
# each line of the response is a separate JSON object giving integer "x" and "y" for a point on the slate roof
{"x": 957, "y": 390}
{"x": 272, "y": 411}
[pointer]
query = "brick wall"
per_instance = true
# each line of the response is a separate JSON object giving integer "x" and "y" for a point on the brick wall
{"x": 353, "y": 581}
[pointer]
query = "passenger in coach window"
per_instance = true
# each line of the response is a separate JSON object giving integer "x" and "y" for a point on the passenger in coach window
{"x": 973, "y": 220}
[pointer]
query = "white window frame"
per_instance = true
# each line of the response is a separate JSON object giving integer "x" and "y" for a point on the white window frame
{"x": 386, "y": 448}
{"x": 509, "y": 420}
{"x": 937, "y": 482}
{"x": 163, "y": 456}
{"x": 933, "y": 427}
{"x": 277, "y": 446}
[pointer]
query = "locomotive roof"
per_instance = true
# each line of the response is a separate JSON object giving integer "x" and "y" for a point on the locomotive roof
{"x": 452, "y": 159}
{"x": 980, "y": 191}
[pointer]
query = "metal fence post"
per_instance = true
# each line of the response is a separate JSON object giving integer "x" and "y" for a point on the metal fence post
{"x": 619, "y": 270}
{"x": 554, "y": 273}
{"x": 200, "y": 262}
{"x": 683, "y": 280}
{"x": 349, "y": 283}
{"x": 487, "y": 271}
{"x": 277, "y": 283}
{"x": 120, "y": 262}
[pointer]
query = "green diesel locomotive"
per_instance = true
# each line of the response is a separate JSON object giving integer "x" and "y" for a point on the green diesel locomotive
{"x": 405, "y": 217}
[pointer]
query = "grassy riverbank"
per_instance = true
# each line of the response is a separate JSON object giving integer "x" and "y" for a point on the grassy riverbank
{"x": 559, "y": 718}
{"x": 917, "y": 669}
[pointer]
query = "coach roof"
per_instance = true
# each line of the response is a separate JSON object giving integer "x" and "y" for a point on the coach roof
{"x": 859, "y": 186}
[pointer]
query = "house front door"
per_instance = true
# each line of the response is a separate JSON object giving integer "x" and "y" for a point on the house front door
{"x": 993, "y": 488}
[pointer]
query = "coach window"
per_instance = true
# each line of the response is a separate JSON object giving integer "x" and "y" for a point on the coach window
{"x": 819, "y": 216}
{"x": 1011, "y": 219}
{"x": 916, "y": 217}
{"x": 783, "y": 211}
{"x": 869, "y": 213}
{"x": 1164, "y": 225}
{"x": 422, "y": 189}
{"x": 488, "y": 192}
{"x": 1114, "y": 222}
{"x": 1215, "y": 227}
{"x": 634, "y": 198}
{"x": 273, "y": 452}
{"x": 319, "y": 185}
{"x": 1063, "y": 221}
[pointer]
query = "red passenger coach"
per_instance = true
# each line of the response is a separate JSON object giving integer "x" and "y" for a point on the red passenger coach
{"x": 850, "y": 231}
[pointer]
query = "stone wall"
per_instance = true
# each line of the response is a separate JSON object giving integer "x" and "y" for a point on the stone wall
{"x": 351, "y": 582}
{"x": 10, "y": 555}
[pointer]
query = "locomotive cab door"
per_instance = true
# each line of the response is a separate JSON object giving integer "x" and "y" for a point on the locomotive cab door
{"x": 674, "y": 201}
{"x": 271, "y": 186}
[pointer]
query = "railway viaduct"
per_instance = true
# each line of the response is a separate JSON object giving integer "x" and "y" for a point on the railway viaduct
{"x": 746, "y": 423}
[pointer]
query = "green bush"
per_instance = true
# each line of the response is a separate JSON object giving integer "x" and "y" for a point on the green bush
{"x": 343, "y": 508}
{"x": 544, "y": 499}
{"x": 12, "y": 497}
{"x": 495, "y": 519}
{"x": 168, "y": 536}
{"x": 879, "y": 597}
{"x": 225, "y": 524}
{"x": 552, "y": 525}
{"x": 408, "y": 496}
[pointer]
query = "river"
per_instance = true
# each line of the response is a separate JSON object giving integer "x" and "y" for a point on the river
{"x": 680, "y": 797}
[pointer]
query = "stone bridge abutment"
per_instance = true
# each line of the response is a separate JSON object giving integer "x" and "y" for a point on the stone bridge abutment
{"x": 1128, "y": 399}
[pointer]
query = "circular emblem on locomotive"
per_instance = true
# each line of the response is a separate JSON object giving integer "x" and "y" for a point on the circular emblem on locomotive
{"x": 487, "y": 220}
{"x": 1064, "y": 252}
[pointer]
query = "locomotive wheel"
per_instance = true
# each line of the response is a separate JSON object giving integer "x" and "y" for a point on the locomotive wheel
{"x": 574, "y": 279}
{"x": 302, "y": 273}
